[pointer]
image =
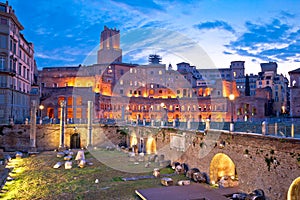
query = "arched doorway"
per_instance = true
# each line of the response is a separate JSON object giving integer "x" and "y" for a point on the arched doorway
{"x": 222, "y": 171}
{"x": 294, "y": 190}
{"x": 75, "y": 141}
{"x": 151, "y": 145}
{"x": 50, "y": 112}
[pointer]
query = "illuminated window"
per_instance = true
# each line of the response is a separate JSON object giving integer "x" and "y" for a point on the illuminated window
{"x": 130, "y": 83}
{"x": 60, "y": 99}
{"x": 70, "y": 101}
{"x": 78, "y": 101}
{"x": 151, "y": 92}
{"x": 78, "y": 113}
{"x": 131, "y": 70}
{"x": 160, "y": 72}
{"x": 70, "y": 113}
{"x": 121, "y": 82}
{"x": 234, "y": 74}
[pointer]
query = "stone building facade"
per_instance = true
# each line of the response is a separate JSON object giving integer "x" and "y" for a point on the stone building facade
{"x": 148, "y": 92}
{"x": 295, "y": 93}
{"x": 17, "y": 68}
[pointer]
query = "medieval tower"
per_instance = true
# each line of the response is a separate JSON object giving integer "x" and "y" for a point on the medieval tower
{"x": 109, "y": 51}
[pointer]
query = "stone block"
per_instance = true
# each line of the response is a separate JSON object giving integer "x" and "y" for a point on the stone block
{"x": 166, "y": 181}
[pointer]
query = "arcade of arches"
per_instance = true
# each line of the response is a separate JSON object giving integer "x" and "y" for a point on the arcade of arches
{"x": 294, "y": 190}
{"x": 221, "y": 166}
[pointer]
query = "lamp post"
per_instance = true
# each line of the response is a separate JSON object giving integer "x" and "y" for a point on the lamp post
{"x": 41, "y": 107}
{"x": 231, "y": 98}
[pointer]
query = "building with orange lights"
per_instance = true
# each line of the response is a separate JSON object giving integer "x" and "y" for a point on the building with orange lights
{"x": 145, "y": 93}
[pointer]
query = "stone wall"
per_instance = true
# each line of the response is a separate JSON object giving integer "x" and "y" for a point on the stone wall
{"x": 252, "y": 154}
{"x": 16, "y": 138}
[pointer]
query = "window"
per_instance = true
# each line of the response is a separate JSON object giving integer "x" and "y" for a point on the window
{"x": 3, "y": 41}
{"x": 178, "y": 91}
{"x": 131, "y": 70}
{"x": 2, "y": 62}
{"x": 139, "y": 92}
{"x": 15, "y": 48}
{"x": 55, "y": 85}
{"x": 66, "y": 84}
{"x": 160, "y": 72}
{"x": 121, "y": 91}
{"x": 121, "y": 72}
{"x": 78, "y": 113}
{"x": 3, "y": 8}
{"x": 234, "y": 74}
{"x": 70, "y": 101}
{"x": 78, "y": 101}
{"x": 267, "y": 82}
{"x": 160, "y": 91}
{"x": 121, "y": 82}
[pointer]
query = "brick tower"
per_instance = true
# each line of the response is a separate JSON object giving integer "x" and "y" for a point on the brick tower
{"x": 109, "y": 51}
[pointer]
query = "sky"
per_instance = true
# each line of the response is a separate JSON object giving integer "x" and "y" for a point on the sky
{"x": 205, "y": 33}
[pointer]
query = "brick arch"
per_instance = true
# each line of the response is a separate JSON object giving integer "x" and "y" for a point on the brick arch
{"x": 221, "y": 165}
{"x": 294, "y": 190}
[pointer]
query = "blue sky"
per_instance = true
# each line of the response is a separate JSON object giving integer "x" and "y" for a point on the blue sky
{"x": 206, "y": 33}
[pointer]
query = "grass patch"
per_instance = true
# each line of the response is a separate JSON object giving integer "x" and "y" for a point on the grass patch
{"x": 35, "y": 178}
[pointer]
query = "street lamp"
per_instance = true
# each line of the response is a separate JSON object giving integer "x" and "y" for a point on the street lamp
{"x": 231, "y": 98}
{"x": 41, "y": 107}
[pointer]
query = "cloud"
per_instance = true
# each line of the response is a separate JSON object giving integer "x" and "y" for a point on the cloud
{"x": 287, "y": 14}
{"x": 52, "y": 57}
{"x": 218, "y": 24}
{"x": 274, "y": 41}
{"x": 145, "y": 4}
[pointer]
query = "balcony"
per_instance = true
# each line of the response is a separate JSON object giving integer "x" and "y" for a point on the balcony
{"x": 10, "y": 72}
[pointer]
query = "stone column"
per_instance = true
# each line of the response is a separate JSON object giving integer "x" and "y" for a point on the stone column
{"x": 207, "y": 124}
{"x": 264, "y": 128}
{"x": 90, "y": 116}
{"x": 189, "y": 124}
{"x": 33, "y": 109}
{"x": 152, "y": 122}
{"x": 62, "y": 124}
{"x": 292, "y": 130}
{"x": 123, "y": 113}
